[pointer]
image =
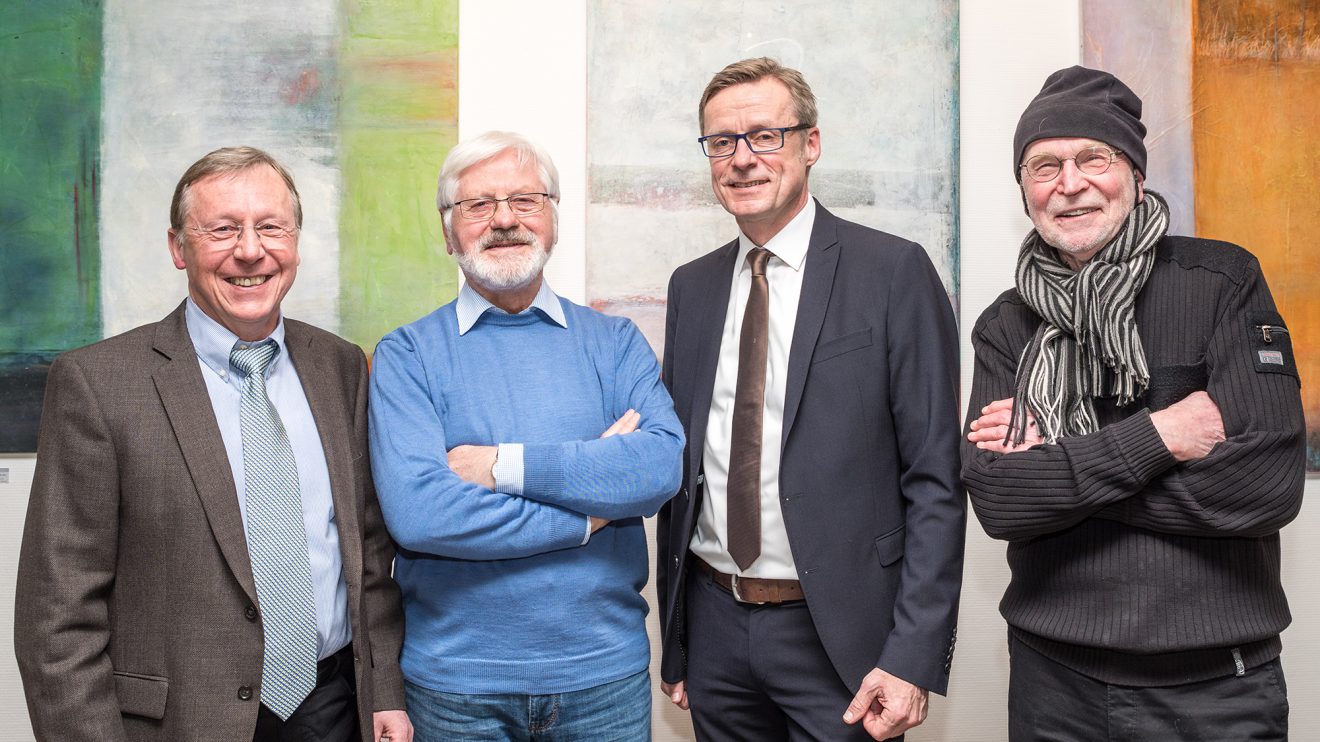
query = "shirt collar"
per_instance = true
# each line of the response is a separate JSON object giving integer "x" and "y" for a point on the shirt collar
{"x": 213, "y": 342}
{"x": 790, "y": 243}
{"x": 472, "y": 305}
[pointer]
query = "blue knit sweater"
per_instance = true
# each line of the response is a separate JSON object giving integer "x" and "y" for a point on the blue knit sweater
{"x": 500, "y": 593}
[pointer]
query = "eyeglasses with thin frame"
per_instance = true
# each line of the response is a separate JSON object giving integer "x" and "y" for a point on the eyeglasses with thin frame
{"x": 1091, "y": 161}
{"x": 759, "y": 141}
{"x": 483, "y": 208}
{"x": 269, "y": 234}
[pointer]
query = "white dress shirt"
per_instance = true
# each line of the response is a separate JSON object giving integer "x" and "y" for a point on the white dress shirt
{"x": 784, "y": 275}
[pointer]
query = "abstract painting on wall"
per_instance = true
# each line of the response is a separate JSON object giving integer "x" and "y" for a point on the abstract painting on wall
{"x": 104, "y": 104}
{"x": 1229, "y": 88}
{"x": 887, "y": 92}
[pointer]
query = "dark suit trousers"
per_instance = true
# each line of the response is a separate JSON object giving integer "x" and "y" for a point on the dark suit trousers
{"x": 759, "y": 672}
{"x": 328, "y": 714}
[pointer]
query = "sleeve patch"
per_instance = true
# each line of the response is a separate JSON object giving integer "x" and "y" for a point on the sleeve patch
{"x": 1270, "y": 344}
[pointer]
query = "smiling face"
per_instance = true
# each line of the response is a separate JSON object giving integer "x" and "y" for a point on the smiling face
{"x": 762, "y": 191}
{"x": 1076, "y": 213}
{"x": 503, "y": 256}
{"x": 240, "y": 285}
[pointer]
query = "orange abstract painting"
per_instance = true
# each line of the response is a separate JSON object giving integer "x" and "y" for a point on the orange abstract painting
{"x": 1230, "y": 92}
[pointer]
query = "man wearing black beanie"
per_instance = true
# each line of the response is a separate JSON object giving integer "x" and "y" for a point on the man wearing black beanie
{"x": 1135, "y": 433}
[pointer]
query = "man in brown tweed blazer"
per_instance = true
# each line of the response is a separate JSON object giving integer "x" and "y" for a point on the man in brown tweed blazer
{"x": 137, "y": 613}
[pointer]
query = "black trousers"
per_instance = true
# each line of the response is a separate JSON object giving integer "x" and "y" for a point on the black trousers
{"x": 1048, "y": 702}
{"x": 328, "y": 714}
{"x": 760, "y": 672}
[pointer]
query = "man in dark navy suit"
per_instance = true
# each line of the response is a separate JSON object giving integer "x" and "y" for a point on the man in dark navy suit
{"x": 809, "y": 568}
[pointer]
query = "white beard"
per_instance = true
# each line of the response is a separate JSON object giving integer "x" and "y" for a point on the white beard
{"x": 503, "y": 272}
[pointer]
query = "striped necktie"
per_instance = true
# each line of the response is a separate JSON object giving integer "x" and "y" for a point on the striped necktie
{"x": 277, "y": 540}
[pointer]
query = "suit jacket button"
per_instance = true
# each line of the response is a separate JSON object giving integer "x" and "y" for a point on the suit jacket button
{"x": 250, "y": 613}
{"x": 245, "y": 693}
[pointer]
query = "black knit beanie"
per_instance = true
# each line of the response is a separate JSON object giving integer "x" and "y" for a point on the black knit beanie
{"x": 1081, "y": 102}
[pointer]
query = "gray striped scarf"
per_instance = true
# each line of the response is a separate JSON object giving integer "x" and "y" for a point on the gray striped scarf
{"x": 1088, "y": 345}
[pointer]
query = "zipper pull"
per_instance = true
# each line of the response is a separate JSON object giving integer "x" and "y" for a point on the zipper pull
{"x": 1265, "y": 333}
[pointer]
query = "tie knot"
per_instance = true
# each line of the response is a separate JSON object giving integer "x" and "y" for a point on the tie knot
{"x": 253, "y": 358}
{"x": 757, "y": 258}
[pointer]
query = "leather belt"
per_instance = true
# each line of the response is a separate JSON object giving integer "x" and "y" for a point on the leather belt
{"x": 754, "y": 590}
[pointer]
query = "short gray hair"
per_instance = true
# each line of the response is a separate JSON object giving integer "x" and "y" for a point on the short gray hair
{"x": 754, "y": 70}
{"x": 482, "y": 147}
{"x": 227, "y": 160}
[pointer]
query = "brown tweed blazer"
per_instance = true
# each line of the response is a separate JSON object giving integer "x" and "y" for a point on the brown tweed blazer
{"x": 135, "y": 609}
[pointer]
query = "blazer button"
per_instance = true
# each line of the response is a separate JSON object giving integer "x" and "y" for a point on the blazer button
{"x": 244, "y": 693}
{"x": 250, "y": 613}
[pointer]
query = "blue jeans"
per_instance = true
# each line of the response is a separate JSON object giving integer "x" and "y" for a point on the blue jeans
{"x": 614, "y": 712}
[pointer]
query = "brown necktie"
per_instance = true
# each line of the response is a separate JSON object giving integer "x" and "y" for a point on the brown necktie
{"x": 744, "y": 489}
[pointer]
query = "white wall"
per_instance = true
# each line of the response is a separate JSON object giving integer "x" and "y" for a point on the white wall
{"x": 999, "y": 76}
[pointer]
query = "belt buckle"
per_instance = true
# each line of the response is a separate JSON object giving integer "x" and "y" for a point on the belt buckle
{"x": 733, "y": 581}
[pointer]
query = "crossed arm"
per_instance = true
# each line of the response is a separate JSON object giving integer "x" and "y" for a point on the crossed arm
{"x": 442, "y": 501}
{"x": 476, "y": 464}
{"x": 1226, "y": 460}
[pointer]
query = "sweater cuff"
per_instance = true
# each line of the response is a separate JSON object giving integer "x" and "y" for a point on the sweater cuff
{"x": 1141, "y": 447}
{"x": 543, "y": 469}
{"x": 508, "y": 470}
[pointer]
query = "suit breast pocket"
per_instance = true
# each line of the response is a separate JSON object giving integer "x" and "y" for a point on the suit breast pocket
{"x": 846, "y": 343}
{"x": 141, "y": 695}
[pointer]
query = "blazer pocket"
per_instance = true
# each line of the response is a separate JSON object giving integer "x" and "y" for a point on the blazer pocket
{"x": 141, "y": 695}
{"x": 890, "y": 546}
{"x": 833, "y": 347}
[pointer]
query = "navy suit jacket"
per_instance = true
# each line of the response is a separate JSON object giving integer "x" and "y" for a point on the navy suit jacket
{"x": 868, "y": 472}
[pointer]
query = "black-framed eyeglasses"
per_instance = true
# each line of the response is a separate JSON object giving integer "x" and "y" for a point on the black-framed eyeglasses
{"x": 758, "y": 141}
{"x": 1092, "y": 161}
{"x": 521, "y": 204}
{"x": 269, "y": 234}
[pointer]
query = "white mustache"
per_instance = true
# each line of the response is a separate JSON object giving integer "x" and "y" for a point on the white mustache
{"x": 494, "y": 236}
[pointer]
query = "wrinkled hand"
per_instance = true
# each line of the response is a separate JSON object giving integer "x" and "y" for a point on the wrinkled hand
{"x": 1190, "y": 427}
{"x": 392, "y": 725}
{"x": 677, "y": 693}
{"x": 474, "y": 464}
{"x": 887, "y": 705}
{"x": 989, "y": 430}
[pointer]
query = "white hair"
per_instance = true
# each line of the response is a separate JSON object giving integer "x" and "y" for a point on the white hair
{"x": 482, "y": 147}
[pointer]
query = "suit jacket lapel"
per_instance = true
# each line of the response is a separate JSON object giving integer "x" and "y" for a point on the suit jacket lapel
{"x": 711, "y": 309}
{"x": 325, "y": 394}
{"x": 183, "y": 393}
{"x": 817, "y": 284}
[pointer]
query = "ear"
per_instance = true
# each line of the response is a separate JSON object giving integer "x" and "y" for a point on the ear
{"x": 176, "y": 249}
{"x": 1141, "y": 186}
{"x": 812, "y": 150}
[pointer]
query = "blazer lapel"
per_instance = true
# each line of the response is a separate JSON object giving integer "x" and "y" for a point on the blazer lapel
{"x": 183, "y": 393}
{"x": 325, "y": 394}
{"x": 711, "y": 310}
{"x": 817, "y": 284}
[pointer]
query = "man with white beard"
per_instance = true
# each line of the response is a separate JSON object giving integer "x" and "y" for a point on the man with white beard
{"x": 517, "y": 440}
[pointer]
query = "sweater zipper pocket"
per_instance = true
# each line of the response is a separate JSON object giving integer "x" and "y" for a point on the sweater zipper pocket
{"x": 1267, "y": 332}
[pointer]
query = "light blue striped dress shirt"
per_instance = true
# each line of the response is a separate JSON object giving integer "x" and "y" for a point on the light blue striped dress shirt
{"x": 224, "y": 384}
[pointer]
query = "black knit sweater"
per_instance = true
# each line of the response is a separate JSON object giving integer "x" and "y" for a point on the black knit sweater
{"x": 1126, "y": 565}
